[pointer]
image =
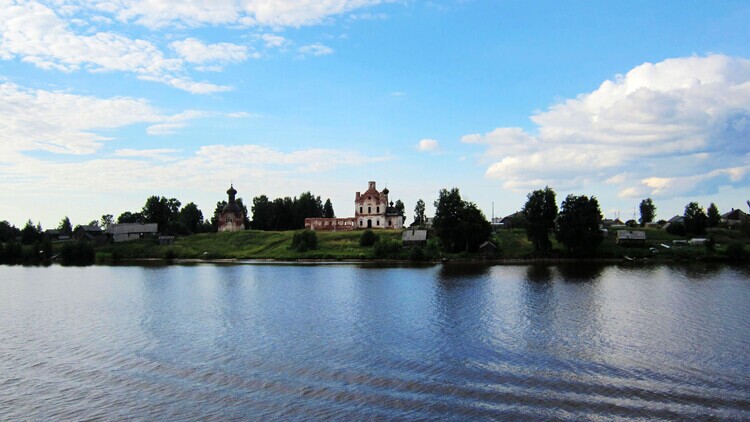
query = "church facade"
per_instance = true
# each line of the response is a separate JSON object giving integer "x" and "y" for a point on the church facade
{"x": 231, "y": 218}
{"x": 372, "y": 210}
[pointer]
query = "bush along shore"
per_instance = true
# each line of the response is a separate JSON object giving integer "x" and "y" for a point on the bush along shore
{"x": 511, "y": 246}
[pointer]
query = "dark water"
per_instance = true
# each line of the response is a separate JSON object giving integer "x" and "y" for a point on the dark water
{"x": 349, "y": 343}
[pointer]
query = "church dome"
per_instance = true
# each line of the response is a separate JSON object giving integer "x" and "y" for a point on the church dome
{"x": 231, "y": 207}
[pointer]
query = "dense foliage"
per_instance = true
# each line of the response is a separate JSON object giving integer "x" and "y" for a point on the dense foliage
{"x": 695, "y": 219}
{"x": 419, "y": 217}
{"x": 368, "y": 238}
{"x": 459, "y": 224}
{"x": 713, "y": 216}
{"x": 304, "y": 241}
{"x": 648, "y": 211}
{"x": 288, "y": 213}
{"x": 540, "y": 211}
{"x": 578, "y": 225}
{"x": 77, "y": 253}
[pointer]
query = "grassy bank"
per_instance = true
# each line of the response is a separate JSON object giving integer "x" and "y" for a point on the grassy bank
{"x": 249, "y": 244}
{"x": 512, "y": 245}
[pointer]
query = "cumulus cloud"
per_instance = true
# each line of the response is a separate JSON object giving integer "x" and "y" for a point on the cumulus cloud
{"x": 428, "y": 145}
{"x": 677, "y": 127}
{"x": 274, "y": 41}
{"x": 204, "y": 169}
{"x": 61, "y": 122}
{"x": 160, "y": 154}
{"x": 287, "y": 13}
{"x": 316, "y": 49}
{"x": 35, "y": 34}
{"x": 195, "y": 51}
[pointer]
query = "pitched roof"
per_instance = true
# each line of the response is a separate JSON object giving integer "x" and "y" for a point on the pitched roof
{"x": 132, "y": 228}
{"x": 414, "y": 236}
{"x": 631, "y": 235}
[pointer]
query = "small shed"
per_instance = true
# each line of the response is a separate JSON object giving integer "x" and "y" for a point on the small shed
{"x": 488, "y": 249}
{"x": 631, "y": 238}
{"x": 131, "y": 231}
{"x": 87, "y": 232}
{"x": 414, "y": 237}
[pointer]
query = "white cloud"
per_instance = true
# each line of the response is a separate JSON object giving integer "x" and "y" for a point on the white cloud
{"x": 161, "y": 154}
{"x": 35, "y": 34}
{"x": 207, "y": 168}
{"x": 60, "y": 122}
{"x": 672, "y": 128}
{"x": 287, "y": 13}
{"x": 195, "y": 51}
{"x": 240, "y": 115}
{"x": 428, "y": 145}
{"x": 316, "y": 49}
{"x": 274, "y": 41}
{"x": 170, "y": 124}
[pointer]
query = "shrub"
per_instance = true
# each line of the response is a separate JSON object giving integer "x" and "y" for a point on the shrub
{"x": 386, "y": 248}
{"x": 80, "y": 253}
{"x": 736, "y": 253}
{"x": 170, "y": 255}
{"x": 677, "y": 229}
{"x": 368, "y": 238}
{"x": 417, "y": 254}
{"x": 304, "y": 241}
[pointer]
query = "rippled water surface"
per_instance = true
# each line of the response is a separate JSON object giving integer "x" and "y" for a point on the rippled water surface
{"x": 347, "y": 342}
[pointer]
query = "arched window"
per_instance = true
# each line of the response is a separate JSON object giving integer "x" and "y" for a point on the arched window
{"x": 389, "y": 223}
{"x": 377, "y": 222}
{"x": 369, "y": 210}
{"x": 360, "y": 210}
{"x": 378, "y": 210}
{"x": 360, "y": 223}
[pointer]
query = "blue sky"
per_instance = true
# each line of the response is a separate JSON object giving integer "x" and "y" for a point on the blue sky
{"x": 105, "y": 102}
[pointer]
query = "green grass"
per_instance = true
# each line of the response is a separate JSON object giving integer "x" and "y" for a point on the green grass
{"x": 512, "y": 244}
{"x": 249, "y": 244}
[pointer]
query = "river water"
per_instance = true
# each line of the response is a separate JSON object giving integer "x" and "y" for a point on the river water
{"x": 349, "y": 342}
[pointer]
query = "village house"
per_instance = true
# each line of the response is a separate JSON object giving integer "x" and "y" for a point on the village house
{"x": 631, "y": 238}
{"x": 414, "y": 237}
{"x": 371, "y": 211}
{"x": 131, "y": 231}
{"x": 87, "y": 232}
{"x": 232, "y": 217}
{"x": 733, "y": 218}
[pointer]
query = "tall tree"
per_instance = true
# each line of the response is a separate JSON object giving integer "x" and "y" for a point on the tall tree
{"x": 130, "y": 217}
{"x": 29, "y": 233}
{"x": 460, "y": 225}
{"x": 8, "y": 232}
{"x": 695, "y": 218}
{"x": 540, "y": 211}
{"x": 578, "y": 225}
{"x": 192, "y": 218}
{"x": 714, "y": 218}
{"x": 161, "y": 210}
{"x": 328, "y": 209}
{"x": 419, "y": 210}
{"x": 66, "y": 229}
{"x": 399, "y": 206}
{"x": 262, "y": 213}
{"x": 648, "y": 211}
{"x": 106, "y": 221}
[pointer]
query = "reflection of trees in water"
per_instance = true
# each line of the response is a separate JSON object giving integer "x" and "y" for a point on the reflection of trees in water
{"x": 453, "y": 272}
{"x": 538, "y": 273}
{"x": 698, "y": 270}
{"x": 580, "y": 272}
